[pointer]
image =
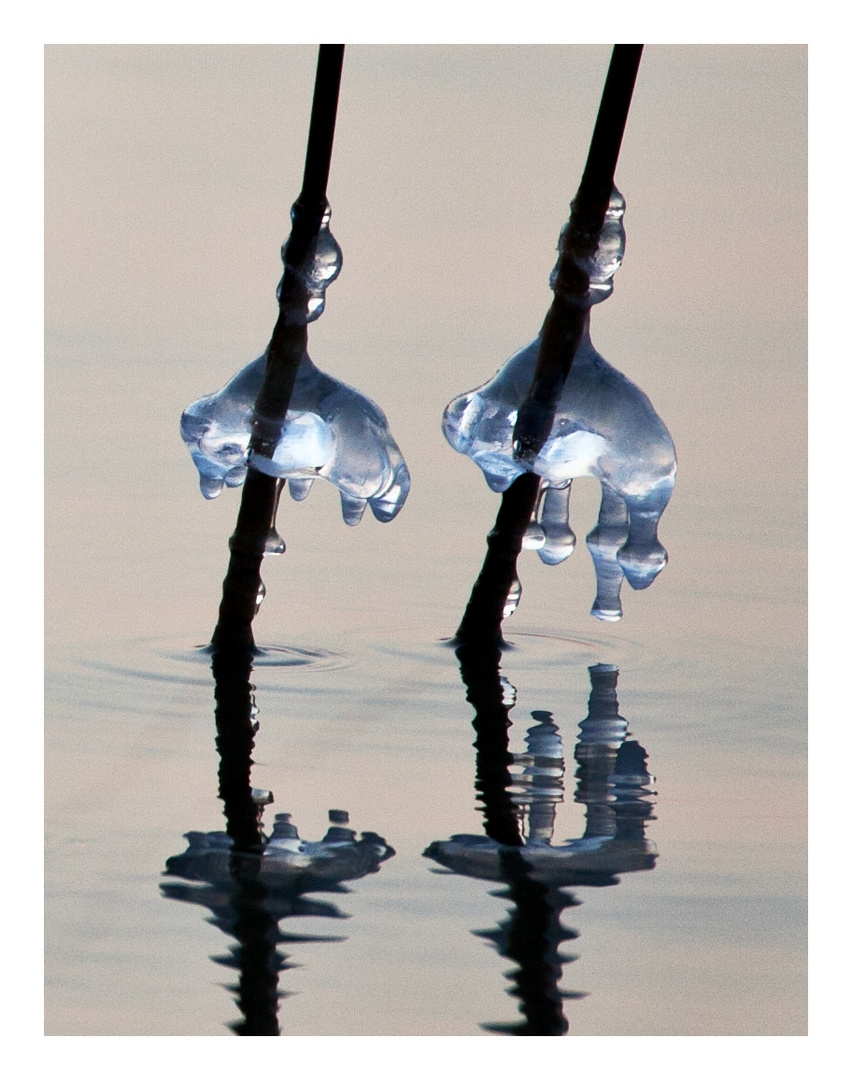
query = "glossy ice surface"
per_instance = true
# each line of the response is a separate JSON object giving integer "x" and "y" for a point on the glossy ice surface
{"x": 322, "y": 263}
{"x": 600, "y": 261}
{"x": 606, "y": 428}
{"x": 332, "y": 432}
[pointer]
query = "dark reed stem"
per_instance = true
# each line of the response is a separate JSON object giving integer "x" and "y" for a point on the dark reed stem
{"x": 253, "y": 926}
{"x": 567, "y": 318}
{"x": 486, "y": 607}
{"x": 235, "y": 731}
{"x": 561, "y": 334}
{"x": 242, "y": 586}
{"x": 480, "y": 672}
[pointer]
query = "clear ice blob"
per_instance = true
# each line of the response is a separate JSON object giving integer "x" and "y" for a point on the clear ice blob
{"x": 321, "y": 264}
{"x": 605, "y": 427}
{"x": 513, "y": 599}
{"x": 331, "y": 432}
{"x": 597, "y": 257}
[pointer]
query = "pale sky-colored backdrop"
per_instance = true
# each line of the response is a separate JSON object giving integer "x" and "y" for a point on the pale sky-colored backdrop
{"x": 170, "y": 172}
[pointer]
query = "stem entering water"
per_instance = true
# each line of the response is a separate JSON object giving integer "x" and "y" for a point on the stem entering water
{"x": 256, "y": 518}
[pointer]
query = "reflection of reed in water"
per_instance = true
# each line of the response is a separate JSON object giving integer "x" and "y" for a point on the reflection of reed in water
{"x": 519, "y": 817}
{"x": 250, "y": 881}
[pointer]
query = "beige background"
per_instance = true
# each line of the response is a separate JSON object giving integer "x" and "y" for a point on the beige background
{"x": 170, "y": 171}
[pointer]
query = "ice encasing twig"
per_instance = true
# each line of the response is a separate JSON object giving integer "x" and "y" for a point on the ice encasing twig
{"x": 242, "y": 586}
{"x": 573, "y": 296}
{"x": 561, "y": 334}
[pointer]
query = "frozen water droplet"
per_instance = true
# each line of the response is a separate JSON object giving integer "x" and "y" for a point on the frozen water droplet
{"x": 320, "y": 266}
{"x": 641, "y": 563}
{"x": 603, "y": 543}
{"x": 513, "y": 599}
{"x": 299, "y": 488}
{"x": 352, "y": 509}
{"x": 274, "y": 543}
{"x": 388, "y": 504}
{"x": 236, "y": 476}
{"x": 211, "y": 486}
{"x": 552, "y": 514}
{"x": 606, "y": 614}
{"x": 534, "y": 537}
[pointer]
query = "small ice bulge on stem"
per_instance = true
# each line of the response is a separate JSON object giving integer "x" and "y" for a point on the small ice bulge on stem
{"x": 314, "y": 271}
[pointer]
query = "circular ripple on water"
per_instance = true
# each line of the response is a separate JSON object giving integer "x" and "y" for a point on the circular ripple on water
{"x": 525, "y": 649}
{"x": 178, "y": 660}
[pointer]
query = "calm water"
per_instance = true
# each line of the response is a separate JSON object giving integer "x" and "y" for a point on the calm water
{"x": 170, "y": 175}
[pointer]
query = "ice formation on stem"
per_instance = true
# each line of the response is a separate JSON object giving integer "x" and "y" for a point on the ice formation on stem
{"x": 600, "y": 424}
{"x": 331, "y": 431}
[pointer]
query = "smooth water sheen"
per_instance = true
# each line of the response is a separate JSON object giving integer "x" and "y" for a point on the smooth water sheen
{"x": 646, "y": 776}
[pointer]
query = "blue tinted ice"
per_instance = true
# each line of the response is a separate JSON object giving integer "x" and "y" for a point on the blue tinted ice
{"x": 331, "y": 432}
{"x": 321, "y": 265}
{"x": 598, "y": 258}
{"x": 604, "y": 427}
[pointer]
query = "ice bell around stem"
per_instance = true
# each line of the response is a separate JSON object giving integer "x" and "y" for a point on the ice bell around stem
{"x": 604, "y": 427}
{"x": 314, "y": 272}
{"x": 331, "y": 432}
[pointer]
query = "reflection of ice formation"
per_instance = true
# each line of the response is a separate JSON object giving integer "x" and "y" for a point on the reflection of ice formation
{"x": 249, "y": 893}
{"x": 287, "y": 862}
{"x": 612, "y": 782}
{"x": 332, "y": 432}
{"x": 604, "y": 427}
{"x": 519, "y": 812}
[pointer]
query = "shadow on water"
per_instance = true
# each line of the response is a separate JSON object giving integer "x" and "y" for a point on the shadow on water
{"x": 251, "y": 881}
{"x": 519, "y": 812}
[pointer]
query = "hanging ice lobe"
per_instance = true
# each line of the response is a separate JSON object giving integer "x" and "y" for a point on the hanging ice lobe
{"x": 604, "y": 427}
{"x": 331, "y": 432}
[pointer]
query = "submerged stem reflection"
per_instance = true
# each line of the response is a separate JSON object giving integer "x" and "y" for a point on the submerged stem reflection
{"x": 251, "y": 881}
{"x": 519, "y": 815}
